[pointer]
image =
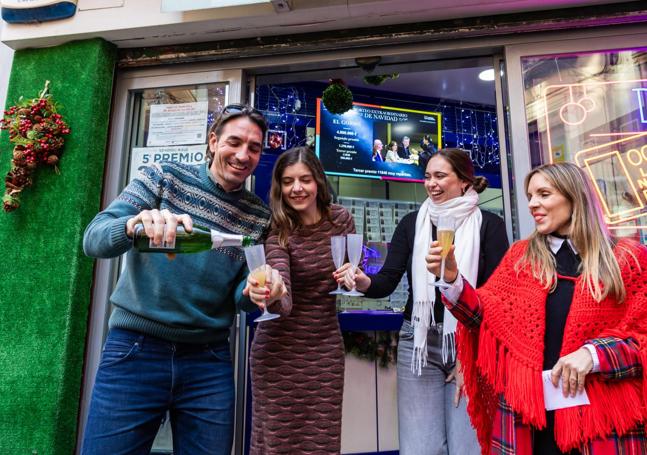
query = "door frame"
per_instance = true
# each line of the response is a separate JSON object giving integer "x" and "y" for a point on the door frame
{"x": 115, "y": 172}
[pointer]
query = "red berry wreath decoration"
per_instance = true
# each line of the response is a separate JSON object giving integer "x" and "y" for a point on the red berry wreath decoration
{"x": 36, "y": 129}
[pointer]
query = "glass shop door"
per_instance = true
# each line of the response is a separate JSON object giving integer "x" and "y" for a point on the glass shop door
{"x": 158, "y": 115}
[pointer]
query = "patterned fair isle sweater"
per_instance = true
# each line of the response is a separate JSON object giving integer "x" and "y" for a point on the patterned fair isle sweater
{"x": 192, "y": 298}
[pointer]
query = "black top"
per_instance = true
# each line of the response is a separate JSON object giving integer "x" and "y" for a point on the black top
{"x": 494, "y": 244}
{"x": 424, "y": 156}
{"x": 558, "y": 304}
{"x": 403, "y": 153}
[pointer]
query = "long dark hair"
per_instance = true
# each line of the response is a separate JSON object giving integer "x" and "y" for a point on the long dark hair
{"x": 284, "y": 218}
{"x": 462, "y": 165}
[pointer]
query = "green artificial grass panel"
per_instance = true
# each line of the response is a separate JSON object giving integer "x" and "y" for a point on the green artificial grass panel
{"x": 46, "y": 282}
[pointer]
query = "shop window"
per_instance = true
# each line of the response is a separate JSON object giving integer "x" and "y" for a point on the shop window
{"x": 377, "y": 204}
{"x": 171, "y": 123}
{"x": 291, "y": 111}
{"x": 591, "y": 109}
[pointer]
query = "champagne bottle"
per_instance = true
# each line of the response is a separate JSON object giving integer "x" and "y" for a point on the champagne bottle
{"x": 199, "y": 239}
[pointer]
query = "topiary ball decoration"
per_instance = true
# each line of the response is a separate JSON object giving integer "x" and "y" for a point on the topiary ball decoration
{"x": 337, "y": 98}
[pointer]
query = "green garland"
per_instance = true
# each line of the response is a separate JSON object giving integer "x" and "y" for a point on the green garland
{"x": 337, "y": 97}
{"x": 364, "y": 346}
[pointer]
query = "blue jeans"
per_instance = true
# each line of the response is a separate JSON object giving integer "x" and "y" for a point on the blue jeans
{"x": 428, "y": 422}
{"x": 141, "y": 377}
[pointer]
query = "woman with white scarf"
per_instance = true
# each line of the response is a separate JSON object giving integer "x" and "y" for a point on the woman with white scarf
{"x": 432, "y": 419}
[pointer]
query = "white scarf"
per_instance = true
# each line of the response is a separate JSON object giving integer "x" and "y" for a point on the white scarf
{"x": 467, "y": 242}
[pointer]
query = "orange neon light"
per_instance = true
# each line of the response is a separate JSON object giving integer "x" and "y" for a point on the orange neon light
{"x": 582, "y": 105}
{"x": 626, "y": 150}
{"x": 585, "y": 158}
{"x": 630, "y": 226}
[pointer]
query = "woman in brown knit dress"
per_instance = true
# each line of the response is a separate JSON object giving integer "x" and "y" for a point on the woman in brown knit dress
{"x": 297, "y": 360}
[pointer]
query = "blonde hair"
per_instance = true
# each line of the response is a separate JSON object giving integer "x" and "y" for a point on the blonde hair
{"x": 588, "y": 232}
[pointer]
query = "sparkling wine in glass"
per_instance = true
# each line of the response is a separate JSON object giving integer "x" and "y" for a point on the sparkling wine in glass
{"x": 259, "y": 275}
{"x": 255, "y": 256}
{"x": 338, "y": 249}
{"x": 354, "y": 244}
{"x": 445, "y": 233}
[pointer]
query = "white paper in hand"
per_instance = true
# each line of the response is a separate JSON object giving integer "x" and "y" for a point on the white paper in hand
{"x": 554, "y": 398}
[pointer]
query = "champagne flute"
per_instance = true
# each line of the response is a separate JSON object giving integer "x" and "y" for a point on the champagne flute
{"x": 255, "y": 257}
{"x": 354, "y": 244}
{"x": 445, "y": 233}
{"x": 338, "y": 250}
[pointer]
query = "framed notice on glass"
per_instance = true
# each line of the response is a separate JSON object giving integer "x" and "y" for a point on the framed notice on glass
{"x": 177, "y": 124}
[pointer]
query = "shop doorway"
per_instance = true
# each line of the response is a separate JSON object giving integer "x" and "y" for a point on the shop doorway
{"x": 375, "y": 156}
{"x": 158, "y": 115}
{"x": 456, "y": 109}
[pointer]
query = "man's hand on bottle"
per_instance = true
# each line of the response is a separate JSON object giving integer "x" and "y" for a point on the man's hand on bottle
{"x": 274, "y": 288}
{"x": 159, "y": 225}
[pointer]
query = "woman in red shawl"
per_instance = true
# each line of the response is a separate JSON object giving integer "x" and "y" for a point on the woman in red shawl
{"x": 570, "y": 300}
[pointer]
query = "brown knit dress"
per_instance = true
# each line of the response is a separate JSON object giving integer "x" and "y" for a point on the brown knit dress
{"x": 297, "y": 360}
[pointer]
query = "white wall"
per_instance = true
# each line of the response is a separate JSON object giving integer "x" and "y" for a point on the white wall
{"x": 6, "y": 57}
{"x": 138, "y": 23}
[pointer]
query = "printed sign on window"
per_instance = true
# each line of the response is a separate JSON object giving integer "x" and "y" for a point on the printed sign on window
{"x": 145, "y": 156}
{"x": 177, "y": 124}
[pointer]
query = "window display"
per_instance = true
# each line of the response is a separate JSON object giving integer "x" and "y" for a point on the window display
{"x": 591, "y": 109}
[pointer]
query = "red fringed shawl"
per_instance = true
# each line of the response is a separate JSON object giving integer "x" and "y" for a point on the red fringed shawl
{"x": 505, "y": 355}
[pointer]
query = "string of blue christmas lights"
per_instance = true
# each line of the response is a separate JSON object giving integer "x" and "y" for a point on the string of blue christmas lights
{"x": 292, "y": 109}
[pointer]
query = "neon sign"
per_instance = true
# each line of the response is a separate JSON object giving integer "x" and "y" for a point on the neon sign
{"x": 641, "y": 93}
{"x": 625, "y": 160}
{"x": 575, "y": 112}
{"x": 616, "y": 153}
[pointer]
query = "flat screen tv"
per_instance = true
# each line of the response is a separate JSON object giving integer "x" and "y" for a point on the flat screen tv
{"x": 357, "y": 143}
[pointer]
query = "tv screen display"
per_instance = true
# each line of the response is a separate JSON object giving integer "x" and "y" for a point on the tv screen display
{"x": 378, "y": 142}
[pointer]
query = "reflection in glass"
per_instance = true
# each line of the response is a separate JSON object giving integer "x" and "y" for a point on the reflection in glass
{"x": 591, "y": 109}
{"x": 185, "y": 144}
{"x": 215, "y": 95}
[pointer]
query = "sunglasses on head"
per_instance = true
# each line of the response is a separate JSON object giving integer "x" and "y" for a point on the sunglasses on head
{"x": 237, "y": 108}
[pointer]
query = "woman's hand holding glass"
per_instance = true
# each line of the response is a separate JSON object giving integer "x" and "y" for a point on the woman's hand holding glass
{"x": 263, "y": 294}
{"x": 264, "y": 277}
{"x": 345, "y": 277}
{"x": 434, "y": 260}
{"x": 445, "y": 230}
